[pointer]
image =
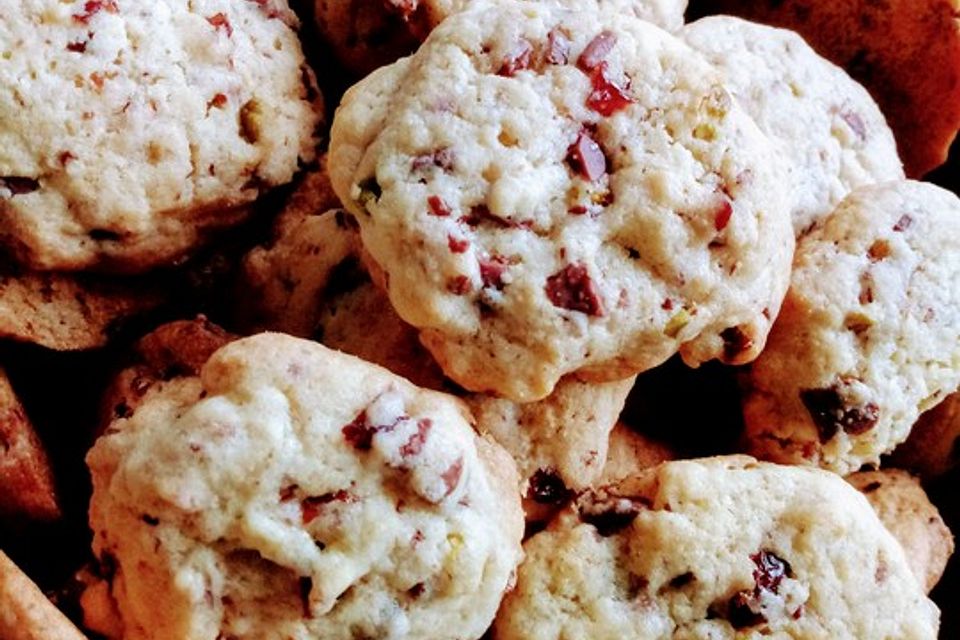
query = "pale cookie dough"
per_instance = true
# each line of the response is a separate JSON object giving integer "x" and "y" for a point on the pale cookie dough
{"x": 290, "y": 491}
{"x": 128, "y": 129}
{"x": 552, "y": 192}
{"x": 869, "y": 334}
{"x": 718, "y": 548}
{"x": 27, "y": 614}
{"x": 906, "y": 511}
{"x": 559, "y": 443}
{"x": 823, "y": 122}
{"x": 629, "y": 452}
{"x": 367, "y": 34}
{"x": 27, "y": 488}
{"x": 933, "y": 448}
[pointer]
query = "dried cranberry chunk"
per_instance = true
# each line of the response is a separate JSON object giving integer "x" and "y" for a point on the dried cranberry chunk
{"x": 558, "y": 47}
{"x": 571, "y": 288}
{"x": 310, "y": 507}
{"x": 586, "y": 157}
{"x": 598, "y": 49}
{"x": 770, "y": 570}
{"x": 607, "y": 97}
{"x": 442, "y": 159}
{"x": 831, "y": 413}
{"x": 492, "y": 270}
{"x": 93, "y": 7}
{"x": 518, "y": 60}
{"x": 220, "y": 21}
{"x": 359, "y": 433}
{"x": 438, "y": 207}
{"x": 414, "y": 444}
{"x": 451, "y": 477}
{"x": 457, "y": 245}
{"x": 721, "y": 217}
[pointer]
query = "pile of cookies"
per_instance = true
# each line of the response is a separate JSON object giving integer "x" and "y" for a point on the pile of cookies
{"x": 384, "y": 370}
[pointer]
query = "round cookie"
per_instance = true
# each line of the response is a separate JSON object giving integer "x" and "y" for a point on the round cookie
{"x": 293, "y": 491}
{"x": 129, "y": 130}
{"x": 825, "y": 123}
{"x": 718, "y": 548}
{"x": 869, "y": 334}
{"x": 933, "y": 448}
{"x": 905, "y": 52}
{"x": 367, "y": 34}
{"x": 553, "y": 192}
{"x": 906, "y": 511}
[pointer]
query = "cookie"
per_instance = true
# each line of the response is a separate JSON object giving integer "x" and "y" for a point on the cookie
{"x": 823, "y": 121}
{"x": 933, "y": 447}
{"x": 68, "y": 312}
{"x": 25, "y": 613}
{"x": 718, "y": 548}
{"x": 291, "y": 490}
{"x": 128, "y": 132}
{"x": 906, "y": 511}
{"x": 367, "y": 34}
{"x": 552, "y": 192}
{"x": 27, "y": 489}
{"x": 869, "y": 334}
{"x": 907, "y": 53}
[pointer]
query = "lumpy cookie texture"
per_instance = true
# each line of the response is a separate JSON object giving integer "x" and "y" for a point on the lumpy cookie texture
{"x": 367, "y": 34}
{"x": 826, "y": 124}
{"x": 869, "y": 334}
{"x": 718, "y": 548}
{"x": 906, "y": 511}
{"x": 552, "y": 192}
{"x": 292, "y": 491}
{"x": 129, "y": 129}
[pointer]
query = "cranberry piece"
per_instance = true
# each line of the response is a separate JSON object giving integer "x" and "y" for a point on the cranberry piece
{"x": 451, "y": 477}
{"x": 218, "y": 101}
{"x": 311, "y": 507}
{"x": 481, "y": 213}
{"x": 586, "y": 157}
{"x": 903, "y": 223}
{"x": 518, "y": 60}
{"x": 735, "y": 342}
{"x": 770, "y": 570}
{"x": 93, "y": 7}
{"x": 855, "y": 122}
{"x": 546, "y": 487}
{"x": 19, "y": 185}
{"x": 831, "y": 413}
{"x": 442, "y": 159}
{"x": 558, "y": 47}
{"x": 492, "y": 270}
{"x": 598, "y": 49}
{"x": 721, "y": 217}
{"x": 607, "y": 97}
{"x": 220, "y": 21}
{"x": 77, "y": 47}
{"x": 414, "y": 444}
{"x": 459, "y": 285}
{"x": 438, "y": 207}
{"x": 457, "y": 245}
{"x": 571, "y": 288}
{"x": 359, "y": 433}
